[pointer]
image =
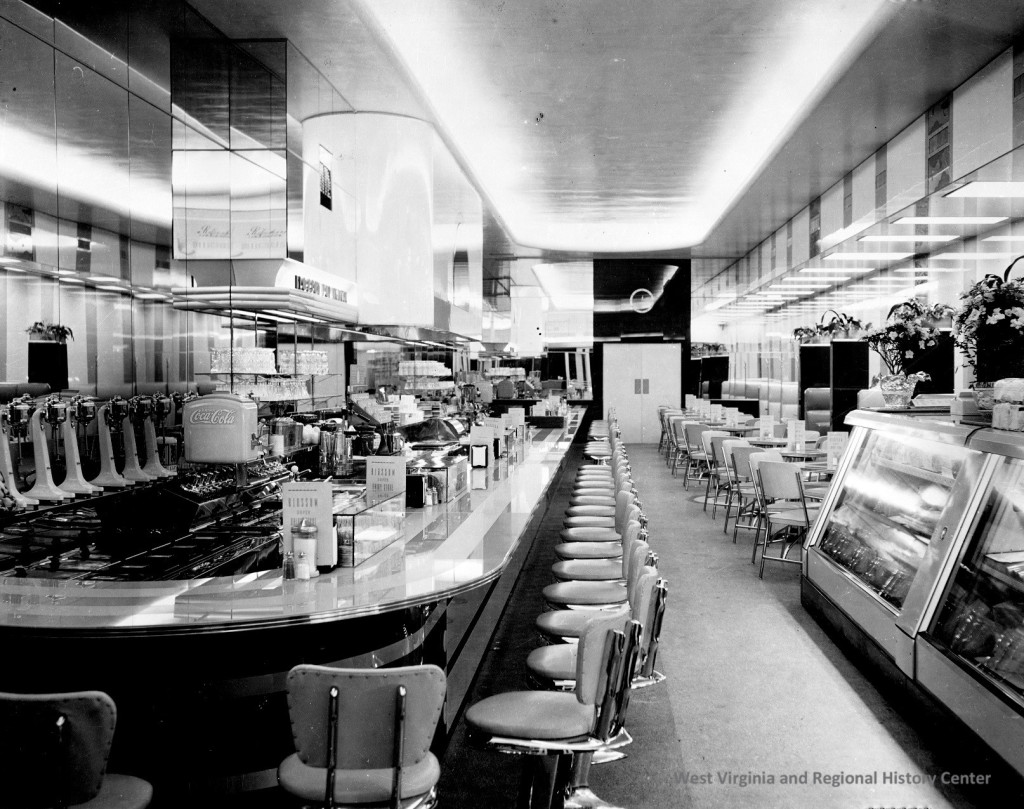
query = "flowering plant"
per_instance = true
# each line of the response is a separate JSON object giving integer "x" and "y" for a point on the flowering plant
{"x": 910, "y": 328}
{"x": 840, "y": 324}
{"x": 989, "y": 327}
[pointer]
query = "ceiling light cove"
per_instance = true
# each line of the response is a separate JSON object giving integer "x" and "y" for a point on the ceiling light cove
{"x": 710, "y": 119}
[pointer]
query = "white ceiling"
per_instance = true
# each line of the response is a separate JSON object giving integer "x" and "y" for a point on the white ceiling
{"x": 601, "y": 127}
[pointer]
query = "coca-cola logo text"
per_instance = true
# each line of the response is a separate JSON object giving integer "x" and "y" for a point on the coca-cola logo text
{"x": 212, "y": 415}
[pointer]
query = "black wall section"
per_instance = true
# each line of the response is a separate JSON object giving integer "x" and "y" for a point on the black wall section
{"x": 615, "y": 281}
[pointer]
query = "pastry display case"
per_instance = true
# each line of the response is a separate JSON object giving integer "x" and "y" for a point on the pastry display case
{"x": 889, "y": 522}
{"x": 971, "y": 654}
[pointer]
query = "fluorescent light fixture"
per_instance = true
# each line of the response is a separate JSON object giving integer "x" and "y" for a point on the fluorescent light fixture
{"x": 892, "y": 238}
{"x": 838, "y": 270}
{"x": 972, "y": 256}
{"x": 950, "y": 220}
{"x": 8, "y": 260}
{"x": 930, "y": 270}
{"x": 1005, "y": 238}
{"x": 867, "y": 256}
{"x": 72, "y": 281}
{"x": 718, "y": 304}
{"x": 824, "y": 276}
{"x": 981, "y": 188}
{"x": 808, "y": 281}
{"x": 110, "y": 288}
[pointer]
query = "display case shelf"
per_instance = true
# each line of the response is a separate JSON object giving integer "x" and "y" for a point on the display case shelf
{"x": 913, "y": 471}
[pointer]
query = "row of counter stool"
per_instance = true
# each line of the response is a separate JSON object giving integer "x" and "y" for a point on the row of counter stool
{"x": 600, "y": 640}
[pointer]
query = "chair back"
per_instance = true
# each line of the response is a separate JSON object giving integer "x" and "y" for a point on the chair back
{"x": 714, "y": 442}
{"x": 729, "y": 447}
{"x": 54, "y": 747}
{"x": 367, "y": 712}
{"x": 693, "y": 431}
{"x": 780, "y": 480}
{"x": 707, "y": 437}
{"x": 741, "y": 460}
{"x": 592, "y": 656}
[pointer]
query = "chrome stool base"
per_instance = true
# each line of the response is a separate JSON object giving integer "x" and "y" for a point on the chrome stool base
{"x": 584, "y": 798}
{"x": 608, "y": 756}
{"x": 644, "y": 681}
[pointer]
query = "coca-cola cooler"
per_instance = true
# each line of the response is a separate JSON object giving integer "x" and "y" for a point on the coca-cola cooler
{"x": 221, "y": 428}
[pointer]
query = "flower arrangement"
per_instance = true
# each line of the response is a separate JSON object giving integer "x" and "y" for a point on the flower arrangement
{"x": 910, "y": 328}
{"x": 989, "y": 327}
{"x": 53, "y": 332}
{"x": 839, "y": 325}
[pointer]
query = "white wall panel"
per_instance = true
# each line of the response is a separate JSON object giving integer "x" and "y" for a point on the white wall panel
{"x": 983, "y": 116}
{"x": 832, "y": 209}
{"x": 904, "y": 166}
{"x": 394, "y": 253}
{"x": 864, "y": 192}
{"x": 801, "y": 236}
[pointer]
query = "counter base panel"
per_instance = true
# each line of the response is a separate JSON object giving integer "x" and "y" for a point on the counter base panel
{"x": 875, "y": 619}
{"x": 1001, "y": 727}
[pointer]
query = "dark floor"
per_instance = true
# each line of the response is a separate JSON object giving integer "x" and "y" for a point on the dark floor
{"x": 757, "y": 692}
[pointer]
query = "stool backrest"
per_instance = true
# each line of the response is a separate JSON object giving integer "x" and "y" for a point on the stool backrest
{"x": 54, "y": 747}
{"x": 592, "y": 657}
{"x": 366, "y": 713}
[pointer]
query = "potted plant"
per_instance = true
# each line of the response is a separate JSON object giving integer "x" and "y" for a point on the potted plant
{"x": 50, "y": 332}
{"x": 910, "y": 328}
{"x": 989, "y": 329}
{"x": 48, "y": 354}
{"x": 840, "y": 325}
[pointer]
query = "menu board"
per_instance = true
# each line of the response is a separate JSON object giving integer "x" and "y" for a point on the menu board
{"x": 835, "y": 447}
{"x": 795, "y": 432}
{"x": 311, "y": 501}
{"x": 385, "y": 476}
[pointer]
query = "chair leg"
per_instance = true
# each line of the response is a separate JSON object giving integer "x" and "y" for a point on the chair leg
{"x": 728, "y": 507}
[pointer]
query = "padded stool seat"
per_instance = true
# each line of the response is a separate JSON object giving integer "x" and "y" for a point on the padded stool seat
{"x": 588, "y": 522}
{"x": 589, "y": 550}
{"x": 591, "y": 510}
{"x": 589, "y": 534}
{"x": 532, "y": 715}
{"x": 584, "y": 593}
{"x": 553, "y": 662}
{"x": 593, "y": 499}
{"x": 358, "y": 786}
{"x": 570, "y": 623}
{"x": 609, "y": 569}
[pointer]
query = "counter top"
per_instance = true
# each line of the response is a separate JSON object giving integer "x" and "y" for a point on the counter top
{"x": 447, "y": 549}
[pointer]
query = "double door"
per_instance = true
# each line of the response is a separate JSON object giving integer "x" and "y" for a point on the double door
{"x": 637, "y": 378}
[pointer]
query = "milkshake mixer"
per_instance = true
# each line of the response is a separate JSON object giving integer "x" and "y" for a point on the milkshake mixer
{"x": 110, "y": 421}
{"x": 55, "y": 413}
{"x": 18, "y": 409}
{"x": 81, "y": 411}
{"x": 140, "y": 412}
{"x": 160, "y": 407}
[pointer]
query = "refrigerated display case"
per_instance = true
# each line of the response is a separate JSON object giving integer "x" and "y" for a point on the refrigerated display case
{"x": 889, "y": 523}
{"x": 970, "y": 656}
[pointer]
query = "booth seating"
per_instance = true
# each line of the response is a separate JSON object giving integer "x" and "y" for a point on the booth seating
{"x": 54, "y": 749}
{"x": 362, "y": 736}
{"x": 818, "y": 409}
{"x": 15, "y": 390}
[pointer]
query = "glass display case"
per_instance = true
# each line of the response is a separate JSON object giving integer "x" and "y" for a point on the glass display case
{"x": 888, "y": 523}
{"x": 366, "y": 527}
